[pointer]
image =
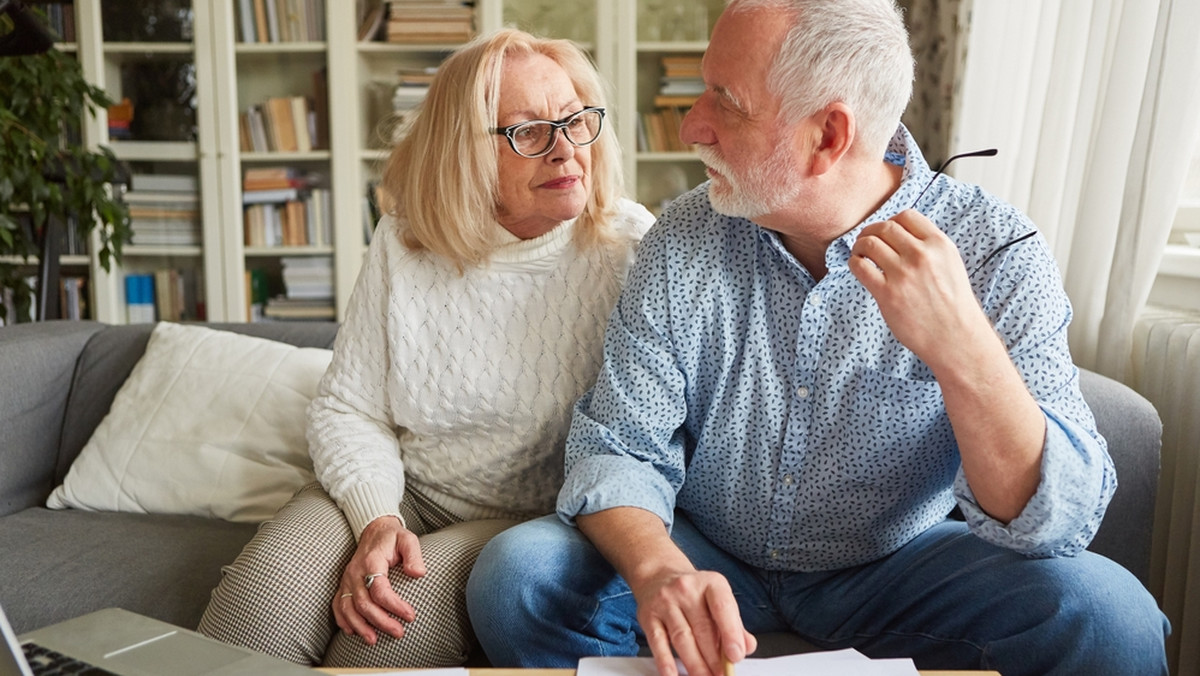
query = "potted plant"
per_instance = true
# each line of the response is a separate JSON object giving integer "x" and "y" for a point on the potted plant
{"x": 46, "y": 172}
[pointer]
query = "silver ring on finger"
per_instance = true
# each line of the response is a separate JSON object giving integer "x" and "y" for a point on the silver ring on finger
{"x": 370, "y": 579}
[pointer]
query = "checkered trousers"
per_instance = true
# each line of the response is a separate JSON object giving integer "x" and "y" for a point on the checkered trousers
{"x": 276, "y": 596}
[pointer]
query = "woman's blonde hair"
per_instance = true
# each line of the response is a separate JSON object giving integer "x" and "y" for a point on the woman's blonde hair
{"x": 441, "y": 179}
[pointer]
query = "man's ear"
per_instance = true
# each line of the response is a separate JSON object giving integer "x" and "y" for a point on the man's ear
{"x": 836, "y": 129}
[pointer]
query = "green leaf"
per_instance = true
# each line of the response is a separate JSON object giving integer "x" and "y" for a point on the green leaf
{"x": 42, "y": 98}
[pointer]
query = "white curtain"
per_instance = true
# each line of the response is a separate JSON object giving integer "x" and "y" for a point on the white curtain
{"x": 1095, "y": 107}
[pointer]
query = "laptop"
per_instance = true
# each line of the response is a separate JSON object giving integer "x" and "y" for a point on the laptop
{"x": 119, "y": 642}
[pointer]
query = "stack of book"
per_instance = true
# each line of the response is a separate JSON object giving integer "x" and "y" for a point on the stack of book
{"x": 281, "y": 20}
{"x": 308, "y": 290}
{"x": 411, "y": 87}
{"x": 430, "y": 21}
{"x": 280, "y": 124}
{"x": 284, "y": 208}
{"x": 164, "y": 210}
{"x": 680, "y": 86}
{"x": 165, "y": 294}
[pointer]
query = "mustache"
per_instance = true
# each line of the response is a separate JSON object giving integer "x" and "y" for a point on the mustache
{"x": 712, "y": 160}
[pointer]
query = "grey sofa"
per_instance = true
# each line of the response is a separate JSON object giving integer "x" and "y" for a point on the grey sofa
{"x": 58, "y": 379}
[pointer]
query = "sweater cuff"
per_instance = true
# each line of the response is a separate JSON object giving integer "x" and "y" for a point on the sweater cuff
{"x": 366, "y": 502}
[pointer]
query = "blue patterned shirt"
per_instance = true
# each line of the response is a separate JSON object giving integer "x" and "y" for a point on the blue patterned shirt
{"x": 784, "y": 418}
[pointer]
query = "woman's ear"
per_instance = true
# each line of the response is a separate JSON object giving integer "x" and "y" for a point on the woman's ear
{"x": 835, "y": 130}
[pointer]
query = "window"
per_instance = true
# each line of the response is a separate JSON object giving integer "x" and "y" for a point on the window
{"x": 1178, "y": 282}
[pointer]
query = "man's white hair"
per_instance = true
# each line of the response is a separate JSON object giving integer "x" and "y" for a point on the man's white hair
{"x": 852, "y": 51}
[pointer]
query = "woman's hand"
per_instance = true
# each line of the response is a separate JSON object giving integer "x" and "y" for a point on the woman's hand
{"x": 362, "y": 609}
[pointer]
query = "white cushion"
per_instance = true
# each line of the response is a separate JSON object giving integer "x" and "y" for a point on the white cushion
{"x": 209, "y": 423}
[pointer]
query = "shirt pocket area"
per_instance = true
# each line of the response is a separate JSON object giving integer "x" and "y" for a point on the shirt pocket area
{"x": 895, "y": 432}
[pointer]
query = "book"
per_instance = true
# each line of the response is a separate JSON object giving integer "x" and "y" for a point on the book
{"x": 256, "y": 294}
{"x": 276, "y": 178}
{"x": 292, "y": 308}
{"x": 164, "y": 182}
{"x": 300, "y": 124}
{"x": 368, "y": 29}
{"x": 681, "y": 101}
{"x": 168, "y": 294}
{"x": 275, "y": 196}
{"x": 260, "y": 21}
{"x": 272, "y": 21}
{"x": 282, "y": 129}
{"x": 179, "y": 200}
{"x": 246, "y": 21}
{"x": 139, "y": 298}
{"x": 320, "y": 109}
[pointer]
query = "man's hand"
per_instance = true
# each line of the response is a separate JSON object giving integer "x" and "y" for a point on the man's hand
{"x": 384, "y": 544}
{"x": 695, "y": 614}
{"x": 679, "y": 607}
{"x": 917, "y": 278}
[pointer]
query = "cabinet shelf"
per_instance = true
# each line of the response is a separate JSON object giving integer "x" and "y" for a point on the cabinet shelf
{"x": 276, "y": 251}
{"x": 279, "y": 47}
{"x": 375, "y": 154}
{"x": 672, "y": 156}
{"x": 152, "y": 48}
{"x": 383, "y": 48}
{"x": 285, "y": 157}
{"x": 154, "y": 151}
{"x": 672, "y": 46}
{"x": 162, "y": 251}
{"x": 355, "y": 80}
{"x": 65, "y": 260}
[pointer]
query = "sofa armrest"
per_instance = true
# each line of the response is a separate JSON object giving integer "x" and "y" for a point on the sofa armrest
{"x": 37, "y": 364}
{"x": 1133, "y": 429}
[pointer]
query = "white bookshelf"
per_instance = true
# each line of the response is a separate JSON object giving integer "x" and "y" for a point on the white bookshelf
{"x": 230, "y": 75}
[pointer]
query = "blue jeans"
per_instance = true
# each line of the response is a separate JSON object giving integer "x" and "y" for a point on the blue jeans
{"x": 542, "y": 596}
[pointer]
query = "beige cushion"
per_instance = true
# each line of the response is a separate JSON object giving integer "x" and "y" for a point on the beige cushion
{"x": 209, "y": 423}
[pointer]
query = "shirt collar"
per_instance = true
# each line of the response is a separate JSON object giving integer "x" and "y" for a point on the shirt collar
{"x": 902, "y": 151}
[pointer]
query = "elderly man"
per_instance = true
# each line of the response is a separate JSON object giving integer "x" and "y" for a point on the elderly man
{"x": 818, "y": 354}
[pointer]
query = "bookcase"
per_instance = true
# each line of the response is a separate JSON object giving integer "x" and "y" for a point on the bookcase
{"x": 212, "y": 65}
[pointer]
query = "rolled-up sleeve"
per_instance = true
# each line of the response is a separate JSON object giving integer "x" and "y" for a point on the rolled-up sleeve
{"x": 1031, "y": 311}
{"x": 1062, "y": 517}
{"x": 625, "y": 447}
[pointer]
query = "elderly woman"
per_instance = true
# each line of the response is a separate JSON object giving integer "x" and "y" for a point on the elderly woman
{"x": 476, "y": 323}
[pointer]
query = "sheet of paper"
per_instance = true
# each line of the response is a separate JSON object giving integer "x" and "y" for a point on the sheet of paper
{"x": 449, "y": 671}
{"x": 826, "y": 663}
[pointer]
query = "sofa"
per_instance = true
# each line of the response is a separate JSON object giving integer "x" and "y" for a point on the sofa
{"x": 58, "y": 380}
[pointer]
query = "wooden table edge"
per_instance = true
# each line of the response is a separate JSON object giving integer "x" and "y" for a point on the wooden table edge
{"x": 571, "y": 672}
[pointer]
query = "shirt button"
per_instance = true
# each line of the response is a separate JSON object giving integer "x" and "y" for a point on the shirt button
{"x": 774, "y": 553}
{"x": 802, "y": 392}
{"x": 814, "y": 298}
{"x": 787, "y": 479}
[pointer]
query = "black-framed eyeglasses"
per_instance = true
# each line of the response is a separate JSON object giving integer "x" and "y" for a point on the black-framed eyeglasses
{"x": 535, "y": 138}
{"x": 990, "y": 152}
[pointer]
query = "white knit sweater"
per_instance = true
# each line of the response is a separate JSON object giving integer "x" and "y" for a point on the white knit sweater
{"x": 463, "y": 384}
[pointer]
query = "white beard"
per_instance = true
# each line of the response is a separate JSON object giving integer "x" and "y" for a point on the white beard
{"x": 764, "y": 188}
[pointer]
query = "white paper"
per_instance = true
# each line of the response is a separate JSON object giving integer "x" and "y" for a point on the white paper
{"x": 448, "y": 671}
{"x": 848, "y": 662}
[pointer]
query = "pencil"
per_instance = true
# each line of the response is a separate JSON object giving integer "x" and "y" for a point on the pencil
{"x": 728, "y": 666}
